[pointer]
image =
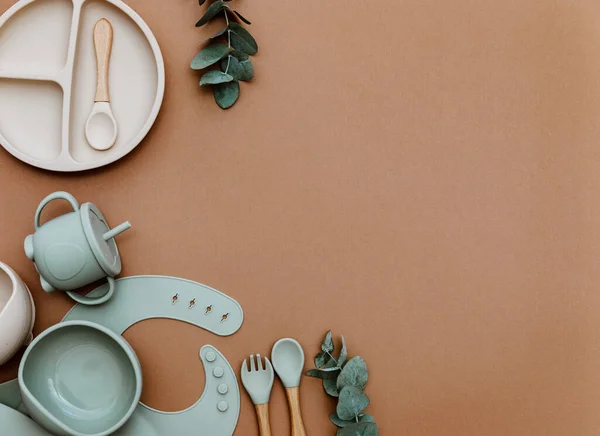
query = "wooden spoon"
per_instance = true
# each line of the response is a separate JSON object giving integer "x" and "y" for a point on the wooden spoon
{"x": 101, "y": 127}
{"x": 288, "y": 360}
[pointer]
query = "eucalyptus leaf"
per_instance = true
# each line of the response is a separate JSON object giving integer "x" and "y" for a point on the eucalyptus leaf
{"x": 351, "y": 403}
{"x": 354, "y": 373}
{"x": 241, "y": 56}
{"x": 360, "y": 429}
{"x": 322, "y": 358}
{"x": 216, "y": 35}
{"x": 340, "y": 422}
{"x": 248, "y": 70}
{"x": 327, "y": 345}
{"x": 212, "y": 12}
{"x": 239, "y": 70}
{"x": 365, "y": 417}
{"x": 214, "y": 77}
{"x": 242, "y": 18}
{"x": 343, "y": 354}
{"x": 330, "y": 386}
{"x": 324, "y": 374}
{"x": 242, "y": 40}
{"x": 209, "y": 55}
{"x": 226, "y": 94}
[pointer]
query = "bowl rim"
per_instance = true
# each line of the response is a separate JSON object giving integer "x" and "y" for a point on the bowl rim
{"x": 119, "y": 340}
{"x": 4, "y": 268}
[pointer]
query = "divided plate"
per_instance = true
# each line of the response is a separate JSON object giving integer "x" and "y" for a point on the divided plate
{"x": 48, "y": 81}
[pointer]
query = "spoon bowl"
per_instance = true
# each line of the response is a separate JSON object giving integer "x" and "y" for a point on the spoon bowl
{"x": 101, "y": 127}
{"x": 288, "y": 361}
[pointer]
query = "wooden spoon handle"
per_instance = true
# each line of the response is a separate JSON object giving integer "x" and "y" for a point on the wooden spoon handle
{"x": 293, "y": 396}
{"x": 262, "y": 413}
{"x": 103, "y": 40}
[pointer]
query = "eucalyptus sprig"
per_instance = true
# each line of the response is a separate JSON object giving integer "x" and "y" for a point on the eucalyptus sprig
{"x": 345, "y": 380}
{"x": 229, "y": 49}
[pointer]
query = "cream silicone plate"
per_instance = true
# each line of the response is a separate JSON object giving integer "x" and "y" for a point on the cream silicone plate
{"x": 48, "y": 81}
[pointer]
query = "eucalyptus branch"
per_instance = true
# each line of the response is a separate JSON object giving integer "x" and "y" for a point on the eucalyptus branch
{"x": 237, "y": 47}
{"x": 332, "y": 358}
{"x": 345, "y": 380}
{"x": 228, "y": 40}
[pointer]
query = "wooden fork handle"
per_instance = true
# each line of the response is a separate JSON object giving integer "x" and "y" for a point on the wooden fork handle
{"x": 103, "y": 40}
{"x": 262, "y": 413}
{"x": 293, "y": 396}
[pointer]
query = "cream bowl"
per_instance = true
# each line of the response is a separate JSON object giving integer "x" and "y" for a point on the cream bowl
{"x": 17, "y": 313}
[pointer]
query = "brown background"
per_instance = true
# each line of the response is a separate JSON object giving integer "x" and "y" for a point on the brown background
{"x": 421, "y": 176}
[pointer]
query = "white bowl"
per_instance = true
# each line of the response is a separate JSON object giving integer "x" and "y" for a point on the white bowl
{"x": 17, "y": 313}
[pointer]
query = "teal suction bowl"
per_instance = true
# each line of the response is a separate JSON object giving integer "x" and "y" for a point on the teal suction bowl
{"x": 79, "y": 378}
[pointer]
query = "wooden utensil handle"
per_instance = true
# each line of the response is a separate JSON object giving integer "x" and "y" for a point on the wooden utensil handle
{"x": 293, "y": 396}
{"x": 103, "y": 40}
{"x": 262, "y": 413}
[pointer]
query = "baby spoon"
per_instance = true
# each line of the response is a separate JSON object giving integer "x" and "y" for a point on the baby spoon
{"x": 101, "y": 126}
{"x": 288, "y": 360}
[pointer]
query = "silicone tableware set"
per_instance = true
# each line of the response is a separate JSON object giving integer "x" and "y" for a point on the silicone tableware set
{"x": 78, "y": 377}
{"x": 90, "y": 95}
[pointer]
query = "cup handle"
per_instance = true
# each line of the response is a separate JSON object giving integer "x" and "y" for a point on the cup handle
{"x": 87, "y": 301}
{"x": 61, "y": 195}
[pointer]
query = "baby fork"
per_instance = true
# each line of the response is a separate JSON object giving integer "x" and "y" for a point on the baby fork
{"x": 258, "y": 381}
